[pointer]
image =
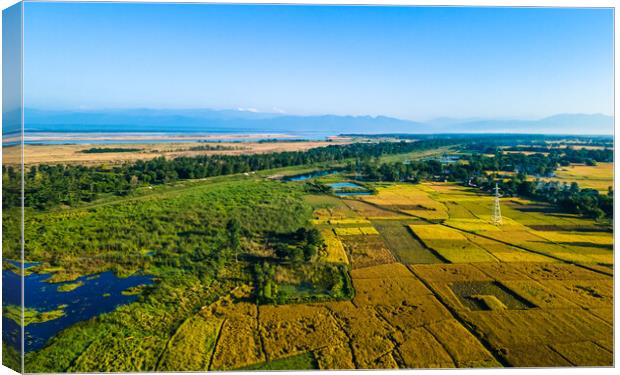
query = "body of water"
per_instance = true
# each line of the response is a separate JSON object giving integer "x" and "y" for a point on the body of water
{"x": 349, "y": 193}
{"x": 101, "y": 293}
{"x": 339, "y": 186}
{"x": 348, "y": 185}
{"x": 307, "y": 176}
{"x": 119, "y": 137}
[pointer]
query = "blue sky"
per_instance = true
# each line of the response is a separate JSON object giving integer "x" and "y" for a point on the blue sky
{"x": 409, "y": 62}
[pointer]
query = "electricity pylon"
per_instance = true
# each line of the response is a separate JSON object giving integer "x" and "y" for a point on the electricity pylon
{"x": 496, "y": 218}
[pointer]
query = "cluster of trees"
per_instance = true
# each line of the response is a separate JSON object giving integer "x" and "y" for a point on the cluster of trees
{"x": 562, "y": 155}
{"x": 588, "y": 156}
{"x": 51, "y": 185}
{"x": 309, "y": 279}
{"x": 299, "y": 246}
{"x": 372, "y": 169}
{"x": 567, "y": 197}
{"x": 474, "y": 165}
{"x": 266, "y": 287}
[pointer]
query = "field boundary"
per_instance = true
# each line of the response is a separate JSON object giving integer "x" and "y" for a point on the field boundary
{"x": 495, "y": 354}
{"x": 217, "y": 341}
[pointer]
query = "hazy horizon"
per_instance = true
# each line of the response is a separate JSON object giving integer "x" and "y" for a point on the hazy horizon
{"x": 412, "y": 63}
{"x": 234, "y": 120}
{"x": 275, "y": 113}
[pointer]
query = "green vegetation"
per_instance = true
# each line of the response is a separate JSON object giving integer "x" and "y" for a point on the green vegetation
{"x": 134, "y": 291}
{"x": 11, "y": 357}
{"x": 184, "y": 227}
{"x": 292, "y": 273}
{"x": 31, "y": 316}
{"x": 69, "y": 287}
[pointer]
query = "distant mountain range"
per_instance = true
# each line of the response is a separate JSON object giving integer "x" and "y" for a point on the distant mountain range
{"x": 208, "y": 120}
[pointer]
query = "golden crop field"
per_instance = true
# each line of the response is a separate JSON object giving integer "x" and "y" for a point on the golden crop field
{"x": 410, "y": 199}
{"x": 434, "y": 288}
{"x": 357, "y": 231}
{"x": 334, "y": 250}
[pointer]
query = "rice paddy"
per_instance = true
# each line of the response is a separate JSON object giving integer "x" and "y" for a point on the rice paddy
{"x": 436, "y": 285}
{"x": 334, "y": 251}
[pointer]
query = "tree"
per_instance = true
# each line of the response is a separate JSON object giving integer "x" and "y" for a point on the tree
{"x": 313, "y": 237}
{"x": 233, "y": 229}
{"x": 310, "y": 251}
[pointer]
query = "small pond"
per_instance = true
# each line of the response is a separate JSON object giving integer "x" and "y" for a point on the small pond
{"x": 348, "y": 193}
{"x": 307, "y": 176}
{"x": 348, "y": 186}
{"x": 100, "y": 293}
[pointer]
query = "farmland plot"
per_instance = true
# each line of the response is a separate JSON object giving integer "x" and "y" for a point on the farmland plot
{"x": 519, "y": 307}
{"x": 411, "y": 199}
{"x": 294, "y": 329}
{"x": 398, "y": 237}
{"x": 451, "y": 244}
{"x": 366, "y": 251}
{"x": 334, "y": 251}
{"x": 191, "y": 347}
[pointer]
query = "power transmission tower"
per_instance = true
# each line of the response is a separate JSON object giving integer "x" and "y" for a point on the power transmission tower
{"x": 496, "y": 218}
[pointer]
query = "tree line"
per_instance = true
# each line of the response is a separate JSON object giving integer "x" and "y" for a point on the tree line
{"x": 48, "y": 186}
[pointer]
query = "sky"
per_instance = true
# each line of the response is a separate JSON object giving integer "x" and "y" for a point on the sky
{"x": 414, "y": 63}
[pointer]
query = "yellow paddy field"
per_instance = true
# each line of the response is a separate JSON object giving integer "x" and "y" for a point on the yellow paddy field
{"x": 436, "y": 285}
{"x": 599, "y": 177}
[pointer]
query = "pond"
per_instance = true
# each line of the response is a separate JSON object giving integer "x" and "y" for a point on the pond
{"x": 307, "y": 176}
{"x": 348, "y": 185}
{"x": 348, "y": 193}
{"x": 100, "y": 293}
{"x": 339, "y": 186}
